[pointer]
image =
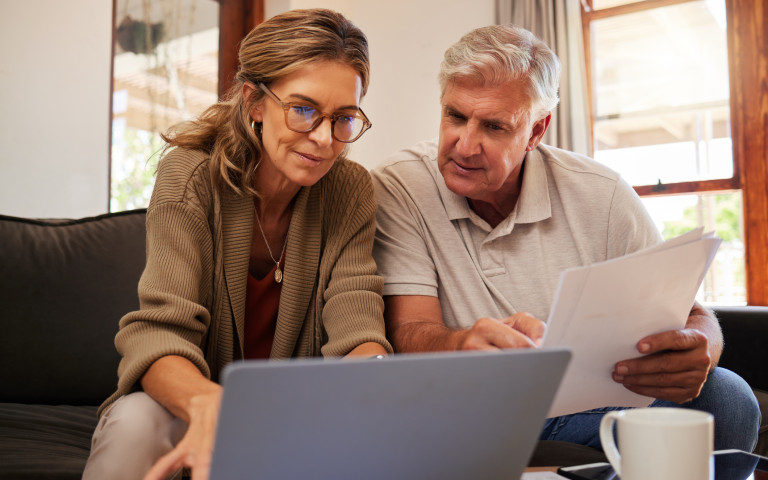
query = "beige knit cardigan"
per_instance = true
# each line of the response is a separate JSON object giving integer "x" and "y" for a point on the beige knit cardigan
{"x": 192, "y": 291}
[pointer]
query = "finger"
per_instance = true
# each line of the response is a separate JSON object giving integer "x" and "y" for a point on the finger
{"x": 528, "y": 325}
{"x": 685, "y": 339}
{"x": 202, "y": 463}
{"x": 501, "y": 335}
{"x": 680, "y": 393}
{"x": 667, "y": 362}
{"x": 686, "y": 380}
{"x": 672, "y": 394}
{"x": 201, "y": 471}
{"x": 165, "y": 466}
{"x": 515, "y": 339}
{"x": 492, "y": 334}
{"x": 676, "y": 387}
{"x": 480, "y": 339}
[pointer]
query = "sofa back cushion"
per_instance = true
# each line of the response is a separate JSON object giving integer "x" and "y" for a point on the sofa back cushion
{"x": 745, "y": 332}
{"x": 64, "y": 285}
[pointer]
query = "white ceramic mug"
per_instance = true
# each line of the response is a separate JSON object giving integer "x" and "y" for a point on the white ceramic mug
{"x": 659, "y": 443}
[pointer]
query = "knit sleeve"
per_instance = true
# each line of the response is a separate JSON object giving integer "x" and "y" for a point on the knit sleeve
{"x": 175, "y": 287}
{"x": 353, "y": 306}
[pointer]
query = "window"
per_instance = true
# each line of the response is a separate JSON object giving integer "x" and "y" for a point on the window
{"x": 661, "y": 116}
{"x": 165, "y": 70}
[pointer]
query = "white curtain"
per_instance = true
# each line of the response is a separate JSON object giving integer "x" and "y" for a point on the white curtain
{"x": 558, "y": 24}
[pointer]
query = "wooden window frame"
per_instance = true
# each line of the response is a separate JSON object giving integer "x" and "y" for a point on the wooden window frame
{"x": 236, "y": 19}
{"x": 747, "y": 31}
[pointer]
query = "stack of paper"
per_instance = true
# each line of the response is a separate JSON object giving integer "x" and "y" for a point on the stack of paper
{"x": 602, "y": 310}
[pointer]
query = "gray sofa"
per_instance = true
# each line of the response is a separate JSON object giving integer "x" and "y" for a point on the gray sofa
{"x": 64, "y": 284}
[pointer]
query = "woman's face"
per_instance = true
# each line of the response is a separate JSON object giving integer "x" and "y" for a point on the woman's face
{"x": 292, "y": 160}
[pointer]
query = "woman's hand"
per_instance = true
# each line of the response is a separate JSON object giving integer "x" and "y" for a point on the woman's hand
{"x": 367, "y": 349}
{"x": 196, "y": 447}
{"x": 179, "y": 386}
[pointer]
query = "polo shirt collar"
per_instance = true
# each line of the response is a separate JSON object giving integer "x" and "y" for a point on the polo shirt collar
{"x": 456, "y": 206}
{"x": 533, "y": 205}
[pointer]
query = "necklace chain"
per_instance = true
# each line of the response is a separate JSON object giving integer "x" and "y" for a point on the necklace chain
{"x": 278, "y": 272}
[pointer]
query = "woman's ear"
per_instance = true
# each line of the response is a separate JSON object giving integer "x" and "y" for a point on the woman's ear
{"x": 254, "y": 109}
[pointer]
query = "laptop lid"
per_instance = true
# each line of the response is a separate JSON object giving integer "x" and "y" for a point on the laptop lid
{"x": 420, "y": 416}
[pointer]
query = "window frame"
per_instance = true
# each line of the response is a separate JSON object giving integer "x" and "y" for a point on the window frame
{"x": 236, "y": 19}
{"x": 747, "y": 27}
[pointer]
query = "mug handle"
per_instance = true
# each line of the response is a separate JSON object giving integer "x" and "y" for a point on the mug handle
{"x": 608, "y": 441}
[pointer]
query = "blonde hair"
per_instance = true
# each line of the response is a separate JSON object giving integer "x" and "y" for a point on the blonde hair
{"x": 498, "y": 54}
{"x": 274, "y": 49}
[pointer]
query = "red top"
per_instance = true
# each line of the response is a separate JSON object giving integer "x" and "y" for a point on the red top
{"x": 262, "y": 300}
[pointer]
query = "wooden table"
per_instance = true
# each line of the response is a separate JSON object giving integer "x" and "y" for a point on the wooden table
{"x": 541, "y": 469}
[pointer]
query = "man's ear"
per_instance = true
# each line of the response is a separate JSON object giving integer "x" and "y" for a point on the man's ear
{"x": 539, "y": 128}
{"x": 254, "y": 109}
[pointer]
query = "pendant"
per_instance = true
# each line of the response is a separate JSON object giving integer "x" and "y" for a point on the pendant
{"x": 278, "y": 274}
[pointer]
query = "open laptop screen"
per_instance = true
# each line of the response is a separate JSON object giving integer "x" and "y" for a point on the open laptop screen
{"x": 423, "y": 416}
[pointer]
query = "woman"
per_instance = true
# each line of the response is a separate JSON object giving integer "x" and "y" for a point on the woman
{"x": 253, "y": 209}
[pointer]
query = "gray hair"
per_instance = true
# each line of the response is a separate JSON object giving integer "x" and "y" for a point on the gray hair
{"x": 497, "y": 54}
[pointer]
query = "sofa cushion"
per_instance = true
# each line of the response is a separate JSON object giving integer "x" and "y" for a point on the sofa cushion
{"x": 745, "y": 330}
{"x": 64, "y": 285}
{"x": 45, "y": 441}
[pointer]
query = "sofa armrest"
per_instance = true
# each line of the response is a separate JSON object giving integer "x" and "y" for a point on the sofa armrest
{"x": 745, "y": 330}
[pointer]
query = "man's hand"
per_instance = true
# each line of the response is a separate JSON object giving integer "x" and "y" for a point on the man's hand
{"x": 521, "y": 330}
{"x": 675, "y": 366}
{"x": 415, "y": 324}
{"x": 196, "y": 448}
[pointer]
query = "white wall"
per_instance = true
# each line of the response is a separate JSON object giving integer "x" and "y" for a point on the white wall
{"x": 54, "y": 119}
{"x": 407, "y": 39}
{"x": 54, "y": 91}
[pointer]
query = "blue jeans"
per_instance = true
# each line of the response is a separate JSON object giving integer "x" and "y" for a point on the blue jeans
{"x": 725, "y": 395}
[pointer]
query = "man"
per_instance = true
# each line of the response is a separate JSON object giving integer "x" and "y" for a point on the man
{"x": 476, "y": 229}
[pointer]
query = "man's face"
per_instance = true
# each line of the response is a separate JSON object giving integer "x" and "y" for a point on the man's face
{"x": 485, "y": 132}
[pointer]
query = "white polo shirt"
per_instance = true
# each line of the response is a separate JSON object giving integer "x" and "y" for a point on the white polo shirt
{"x": 572, "y": 211}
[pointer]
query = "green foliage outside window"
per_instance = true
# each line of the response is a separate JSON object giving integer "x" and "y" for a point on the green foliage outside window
{"x": 725, "y": 282}
{"x": 726, "y": 217}
{"x": 134, "y": 163}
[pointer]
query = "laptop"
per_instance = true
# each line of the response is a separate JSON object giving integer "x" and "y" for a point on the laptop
{"x": 460, "y": 415}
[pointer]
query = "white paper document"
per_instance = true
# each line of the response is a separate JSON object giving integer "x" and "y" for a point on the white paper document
{"x": 602, "y": 310}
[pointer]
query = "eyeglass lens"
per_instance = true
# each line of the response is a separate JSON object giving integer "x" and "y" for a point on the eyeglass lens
{"x": 304, "y": 118}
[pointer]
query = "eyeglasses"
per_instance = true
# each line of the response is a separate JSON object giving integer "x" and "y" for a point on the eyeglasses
{"x": 302, "y": 118}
